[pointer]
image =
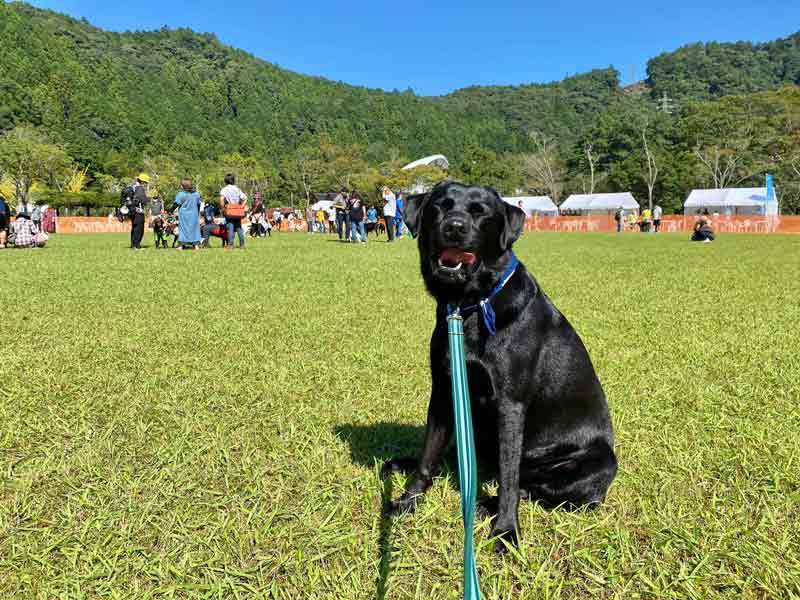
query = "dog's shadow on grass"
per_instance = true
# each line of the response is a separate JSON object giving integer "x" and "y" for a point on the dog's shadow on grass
{"x": 371, "y": 446}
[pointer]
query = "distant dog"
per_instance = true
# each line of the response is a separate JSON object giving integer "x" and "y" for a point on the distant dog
{"x": 539, "y": 413}
{"x": 374, "y": 227}
{"x": 172, "y": 228}
{"x": 159, "y": 230}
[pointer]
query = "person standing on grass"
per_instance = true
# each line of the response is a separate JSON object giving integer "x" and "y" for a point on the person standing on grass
{"x": 647, "y": 216}
{"x": 619, "y": 217}
{"x": 389, "y": 211}
{"x": 156, "y": 210}
{"x": 234, "y": 207}
{"x": 657, "y": 212}
{"x": 188, "y": 203}
{"x": 342, "y": 220}
{"x": 24, "y": 208}
{"x": 331, "y": 219}
{"x": 322, "y": 218}
{"x": 310, "y": 219}
{"x": 357, "y": 218}
{"x": 138, "y": 204}
{"x": 399, "y": 216}
{"x": 5, "y": 218}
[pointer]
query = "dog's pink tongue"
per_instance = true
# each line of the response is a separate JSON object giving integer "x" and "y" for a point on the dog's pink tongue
{"x": 451, "y": 257}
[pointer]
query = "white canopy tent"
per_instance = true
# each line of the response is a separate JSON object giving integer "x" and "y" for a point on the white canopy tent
{"x": 323, "y": 205}
{"x": 603, "y": 203}
{"x": 732, "y": 201}
{"x": 436, "y": 160}
{"x": 532, "y": 205}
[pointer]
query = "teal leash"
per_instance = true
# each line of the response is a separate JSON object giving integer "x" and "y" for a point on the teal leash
{"x": 465, "y": 442}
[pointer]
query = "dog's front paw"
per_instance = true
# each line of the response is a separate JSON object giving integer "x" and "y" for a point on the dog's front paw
{"x": 398, "y": 465}
{"x": 405, "y": 504}
{"x": 504, "y": 539}
{"x": 486, "y": 507}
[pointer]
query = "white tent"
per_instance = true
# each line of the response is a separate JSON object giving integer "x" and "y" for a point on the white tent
{"x": 436, "y": 160}
{"x": 534, "y": 204}
{"x": 732, "y": 201}
{"x": 599, "y": 202}
{"x": 322, "y": 204}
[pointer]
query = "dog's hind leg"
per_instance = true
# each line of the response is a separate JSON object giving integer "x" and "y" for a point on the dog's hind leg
{"x": 576, "y": 482}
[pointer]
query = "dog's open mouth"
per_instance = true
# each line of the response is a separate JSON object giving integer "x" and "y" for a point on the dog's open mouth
{"x": 452, "y": 259}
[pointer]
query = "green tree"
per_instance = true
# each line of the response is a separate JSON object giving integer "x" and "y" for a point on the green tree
{"x": 27, "y": 157}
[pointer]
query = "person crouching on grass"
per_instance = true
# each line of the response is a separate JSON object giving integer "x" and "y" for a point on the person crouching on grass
{"x": 703, "y": 228}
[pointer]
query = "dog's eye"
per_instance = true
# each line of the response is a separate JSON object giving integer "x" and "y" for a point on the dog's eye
{"x": 475, "y": 209}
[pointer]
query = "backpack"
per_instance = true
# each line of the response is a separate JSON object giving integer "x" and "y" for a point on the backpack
{"x": 617, "y": 216}
{"x": 126, "y": 196}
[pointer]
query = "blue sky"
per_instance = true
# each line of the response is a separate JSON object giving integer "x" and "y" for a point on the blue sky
{"x": 435, "y": 47}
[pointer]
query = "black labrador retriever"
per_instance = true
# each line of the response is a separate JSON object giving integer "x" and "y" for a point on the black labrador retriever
{"x": 539, "y": 413}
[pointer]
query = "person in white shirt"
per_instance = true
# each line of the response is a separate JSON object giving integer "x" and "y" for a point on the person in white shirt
{"x": 231, "y": 196}
{"x": 657, "y": 212}
{"x": 389, "y": 211}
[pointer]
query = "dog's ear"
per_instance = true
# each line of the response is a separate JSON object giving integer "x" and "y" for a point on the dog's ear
{"x": 412, "y": 211}
{"x": 513, "y": 225}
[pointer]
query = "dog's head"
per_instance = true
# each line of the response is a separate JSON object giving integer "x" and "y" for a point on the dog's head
{"x": 464, "y": 235}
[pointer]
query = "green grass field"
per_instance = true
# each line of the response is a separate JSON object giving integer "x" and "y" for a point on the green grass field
{"x": 211, "y": 425}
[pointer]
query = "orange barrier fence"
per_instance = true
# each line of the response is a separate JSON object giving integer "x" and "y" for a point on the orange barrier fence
{"x": 670, "y": 224}
{"x": 90, "y": 225}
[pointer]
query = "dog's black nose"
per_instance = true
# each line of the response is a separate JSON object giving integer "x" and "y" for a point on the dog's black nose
{"x": 454, "y": 227}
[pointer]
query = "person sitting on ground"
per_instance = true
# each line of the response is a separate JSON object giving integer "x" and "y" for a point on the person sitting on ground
{"x": 703, "y": 228}
{"x": 26, "y": 233}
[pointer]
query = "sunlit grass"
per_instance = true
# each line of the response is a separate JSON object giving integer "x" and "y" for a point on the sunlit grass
{"x": 208, "y": 425}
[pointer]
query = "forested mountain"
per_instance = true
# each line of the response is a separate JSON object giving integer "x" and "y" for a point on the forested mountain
{"x": 176, "y": 102}
{"x": 713, "y": 70}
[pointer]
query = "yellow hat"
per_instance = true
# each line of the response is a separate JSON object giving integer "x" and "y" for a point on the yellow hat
{"x": 144, "y": 177}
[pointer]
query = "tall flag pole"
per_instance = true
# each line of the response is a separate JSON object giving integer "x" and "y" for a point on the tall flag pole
{"x": 770, "y": 192}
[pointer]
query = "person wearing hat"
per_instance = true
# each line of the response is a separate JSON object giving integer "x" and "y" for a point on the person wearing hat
{"x": 139, "y": 203}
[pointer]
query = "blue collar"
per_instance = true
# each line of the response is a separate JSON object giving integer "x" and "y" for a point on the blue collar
{"x": 485, "y": 304}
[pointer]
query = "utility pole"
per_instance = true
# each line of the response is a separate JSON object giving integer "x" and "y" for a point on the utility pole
{"x": 665, "y": 104}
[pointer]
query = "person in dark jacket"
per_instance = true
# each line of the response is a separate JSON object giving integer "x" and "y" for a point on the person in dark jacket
{"x": 140, "y": 202}
{"x": 5, "y": 217}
